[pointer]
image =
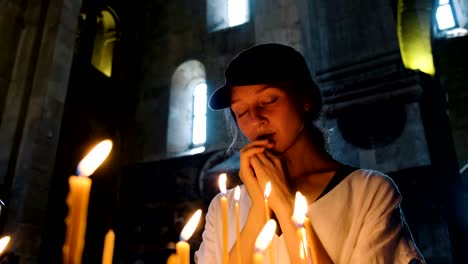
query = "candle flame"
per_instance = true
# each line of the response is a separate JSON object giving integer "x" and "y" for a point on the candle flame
{"x": 237, "y": 193}
{"x": 267, "y": 192}
{"x": 265, "y": 236}
{"x": 222, "y": 183}
{"x": 300, "y": 209}
{"x": 191, "y": 225}
{"x": 4, "y": 243}
{"x": 94, "y": 158}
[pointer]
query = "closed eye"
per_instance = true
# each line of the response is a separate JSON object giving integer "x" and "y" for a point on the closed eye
{"x": 270, "y": 100}
{"x": 241, "y": 114}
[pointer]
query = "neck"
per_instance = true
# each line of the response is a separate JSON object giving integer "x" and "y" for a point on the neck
{"x": 304, "y": 158}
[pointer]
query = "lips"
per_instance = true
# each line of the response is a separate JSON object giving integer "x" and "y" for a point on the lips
{"x": 268, "y": 136}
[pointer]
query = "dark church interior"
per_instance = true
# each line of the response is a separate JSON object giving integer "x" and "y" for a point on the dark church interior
{"x": 393, "y": 75}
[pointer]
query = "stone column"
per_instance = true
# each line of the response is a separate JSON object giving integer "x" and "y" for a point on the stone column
{"x": 41, "y": 48}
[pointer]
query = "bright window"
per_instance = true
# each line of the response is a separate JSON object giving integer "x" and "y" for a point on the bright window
{"x": 238, "y": 12}
{"x": 199, "y": 115}
{"x": 221, "y": 14}
{"x": 186, "y": 124}
{"x": 444, "y": 15}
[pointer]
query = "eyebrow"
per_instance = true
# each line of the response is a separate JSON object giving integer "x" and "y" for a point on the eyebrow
{"x": 265, "y": 87}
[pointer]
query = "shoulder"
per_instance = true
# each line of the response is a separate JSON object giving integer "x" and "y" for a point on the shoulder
{"x": 373, "y": 181}
{"x": 371, "y": 178}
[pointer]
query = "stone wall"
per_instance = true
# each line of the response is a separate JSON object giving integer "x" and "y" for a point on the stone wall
{"x": 36, "y": 57}
{"x": 171, "y": 34}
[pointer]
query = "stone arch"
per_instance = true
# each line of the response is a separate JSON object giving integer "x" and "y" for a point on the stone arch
{"x": 179, "y": 129}
{"x": 105, "y": 38}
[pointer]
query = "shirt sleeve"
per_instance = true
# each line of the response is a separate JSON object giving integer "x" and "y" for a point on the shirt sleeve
{"x": 210, "y": 251}
{"x": 384, "y": 236}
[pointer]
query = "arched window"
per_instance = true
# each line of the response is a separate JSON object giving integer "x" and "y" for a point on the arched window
{"x": 449, "y": 19}
{"x": 186, "y": 130}
{"x": 106, "y": 35}
{"x": 199, "y": 114}
{"x": 445, "y": 16}
{"x": 223, "y": 14}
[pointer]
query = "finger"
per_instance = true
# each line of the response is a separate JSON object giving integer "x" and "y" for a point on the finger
{"x": 274, "y": 159}
{"x": 257, "y": 143}
{"x": 263, "y": 174}
{"x": 264, "y": 160}
{"x": 246, "y": 153}
{"x": 257, "y": 166}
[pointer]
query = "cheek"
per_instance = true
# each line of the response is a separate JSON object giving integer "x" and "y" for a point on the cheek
{"x": 246, "y": 129}
{"x": 291, "y": 120}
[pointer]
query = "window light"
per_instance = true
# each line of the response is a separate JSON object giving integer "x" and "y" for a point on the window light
{"x": 238, "y": 12}
{"x": 444, "y": 15}
{"x": 199, "y": 115}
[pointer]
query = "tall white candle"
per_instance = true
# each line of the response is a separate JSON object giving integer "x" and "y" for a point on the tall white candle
{"x": 237, "y": 194}
{"x": 222, "y": 186}
{"x": 183, "y": 247}
{"x": 78, "y": 199}
{"x": 263, "y": 240}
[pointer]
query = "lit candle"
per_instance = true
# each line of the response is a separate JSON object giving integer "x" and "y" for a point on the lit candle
{"x": 313, "y": 247}
{"x": 318, "y": 254}
{"x": 237, "y": 194}
{"x": 108, "y": 251}
{"x": 77, "y": 200}
{"x": 173, "y": 259}
{"x": 4, "y": 243}
{"x": 299, "y": 215}
{"x": 266, "y": 195}
{"x": 183, "y": 247}
{"x": 222, "y": 186}
{"x": 263, "y": 240}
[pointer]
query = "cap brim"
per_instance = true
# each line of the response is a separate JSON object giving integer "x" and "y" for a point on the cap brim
{"x": 220, "y": 99}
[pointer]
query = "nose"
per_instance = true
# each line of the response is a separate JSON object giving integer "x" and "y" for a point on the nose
{"x": 257, "y": 117}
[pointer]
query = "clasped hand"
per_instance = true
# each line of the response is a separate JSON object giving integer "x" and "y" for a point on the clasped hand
{"x": 257, "y": 167}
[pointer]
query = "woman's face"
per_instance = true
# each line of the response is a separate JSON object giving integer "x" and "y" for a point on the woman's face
{"x": 264, "y": 111}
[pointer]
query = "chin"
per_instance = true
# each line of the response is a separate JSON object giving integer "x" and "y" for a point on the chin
{"x": 276, "y": 151}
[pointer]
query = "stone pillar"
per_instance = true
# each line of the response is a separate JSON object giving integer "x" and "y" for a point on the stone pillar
{"x": 278, "y": 21}
{"x": 40, "y": 54}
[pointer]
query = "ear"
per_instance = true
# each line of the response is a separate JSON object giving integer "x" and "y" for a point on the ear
{"x": 306, "y": 107}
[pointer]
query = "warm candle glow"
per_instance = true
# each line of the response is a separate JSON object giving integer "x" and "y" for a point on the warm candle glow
{"x": 267, "y": 192}
{"x": 263, "y": 241}
{"x": 173, "y": 259}
{"x": 4, "y": 243}
{"x": 224, "y": 214}
{"x": 182, "y": 247}
{"x": 265, "y": 236}
{"x": 108, "y": 251}
{"x": 237, "y": 193}
{"x": 301, "y": 250}
{"x": 222, "y": 183}
{"x": 191, "y": 225}
{"x": 300, "y": 209}
{"x": 299, "y": 217}
{"x": 77, "y": 201}
{"x": 94, "y": 158}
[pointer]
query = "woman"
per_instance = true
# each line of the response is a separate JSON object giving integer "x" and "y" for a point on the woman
{"x": 355, "y": 213}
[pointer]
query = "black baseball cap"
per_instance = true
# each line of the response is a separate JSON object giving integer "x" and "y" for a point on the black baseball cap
{"x": 264, "y": 64}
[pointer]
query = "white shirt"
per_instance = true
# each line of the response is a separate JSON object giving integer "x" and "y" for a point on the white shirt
{"x": 358, "y": 221}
